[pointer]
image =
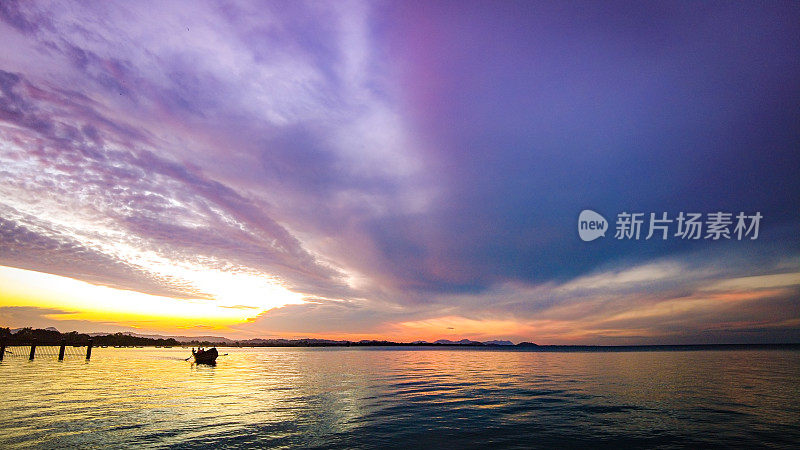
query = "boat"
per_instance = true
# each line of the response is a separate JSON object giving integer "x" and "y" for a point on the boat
{"x": 205, "y": 356}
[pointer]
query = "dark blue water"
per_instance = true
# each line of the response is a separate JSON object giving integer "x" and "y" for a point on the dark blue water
{"x": 404, "y": 398}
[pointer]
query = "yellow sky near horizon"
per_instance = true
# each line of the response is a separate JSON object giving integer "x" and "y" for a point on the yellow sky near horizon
{"x": 80, "y": 300}
{"x": 70, "y": 302}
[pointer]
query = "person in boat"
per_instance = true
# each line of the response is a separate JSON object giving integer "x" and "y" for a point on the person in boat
{"x": 205, "y": 356}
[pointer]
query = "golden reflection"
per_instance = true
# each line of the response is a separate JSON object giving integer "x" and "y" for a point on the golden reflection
{"x": 313, "y": 395}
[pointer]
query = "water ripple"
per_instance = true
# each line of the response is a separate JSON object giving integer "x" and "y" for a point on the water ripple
{"x": 394, "y": 398}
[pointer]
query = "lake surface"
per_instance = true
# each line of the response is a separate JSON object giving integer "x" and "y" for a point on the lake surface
{"x": 403, "y": 398}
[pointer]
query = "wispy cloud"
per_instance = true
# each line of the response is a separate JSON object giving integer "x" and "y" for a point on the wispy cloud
{"x": 389, "y": 164}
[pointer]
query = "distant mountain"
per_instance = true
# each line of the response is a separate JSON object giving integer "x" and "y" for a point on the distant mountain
{"x": 259, "y": 341}
{"x": 292, "y": 342}
{"x": 461, "y": 342}
{"x": 15, "y": 330}
{"x": 498, "y": 343}
{"x": 466, "y": 342}
{"x": 217, "y": 339}
{"x": 299, "y": 342}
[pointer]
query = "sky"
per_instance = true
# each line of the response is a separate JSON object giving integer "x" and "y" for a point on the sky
{"x": 399, "y": 170}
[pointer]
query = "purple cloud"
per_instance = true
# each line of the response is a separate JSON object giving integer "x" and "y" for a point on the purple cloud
{"x": 392, "y": 161}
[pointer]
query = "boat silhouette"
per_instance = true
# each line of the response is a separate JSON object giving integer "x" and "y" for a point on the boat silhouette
{"x": 205, "y": 356}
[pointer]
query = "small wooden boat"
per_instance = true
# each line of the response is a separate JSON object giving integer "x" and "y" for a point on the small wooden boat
{"x": 205, "y": 356}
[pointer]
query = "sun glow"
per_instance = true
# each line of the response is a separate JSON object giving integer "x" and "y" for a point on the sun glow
{"x": 237, "y": 297}
{"x": 461, "y": 327}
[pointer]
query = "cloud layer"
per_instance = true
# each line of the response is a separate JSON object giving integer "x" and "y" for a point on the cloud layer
{"x": 406, "y": 167}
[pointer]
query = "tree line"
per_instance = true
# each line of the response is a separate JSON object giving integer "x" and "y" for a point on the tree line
{"x": 28, "y": 336}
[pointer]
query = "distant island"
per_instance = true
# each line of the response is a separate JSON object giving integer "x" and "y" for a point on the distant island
{"x": 51, "y": 336}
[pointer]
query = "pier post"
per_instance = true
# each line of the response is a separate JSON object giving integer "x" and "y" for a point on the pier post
{"x": 89, "y": 350}
{"x": 61, "y": 350}
{"x": 2, "y": 350}
{"x": 33, "y": 352}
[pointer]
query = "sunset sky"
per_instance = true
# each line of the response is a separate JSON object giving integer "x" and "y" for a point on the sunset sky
{"x": 398, "y": 170}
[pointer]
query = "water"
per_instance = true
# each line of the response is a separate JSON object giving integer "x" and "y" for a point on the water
{"x": 403, "y": 398}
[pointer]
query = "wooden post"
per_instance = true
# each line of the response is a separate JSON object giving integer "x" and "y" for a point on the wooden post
{"x": 89, "y": 350}
{"x": 2, "y": 350}
{"x": 61, "y": 350}
{"x": 33, "y": 352}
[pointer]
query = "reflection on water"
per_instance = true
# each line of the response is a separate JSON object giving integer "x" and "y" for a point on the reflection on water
{"x": 402, "y": 397}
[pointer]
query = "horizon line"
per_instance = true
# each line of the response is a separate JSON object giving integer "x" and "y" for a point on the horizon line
{"x": 449, "y": 342}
